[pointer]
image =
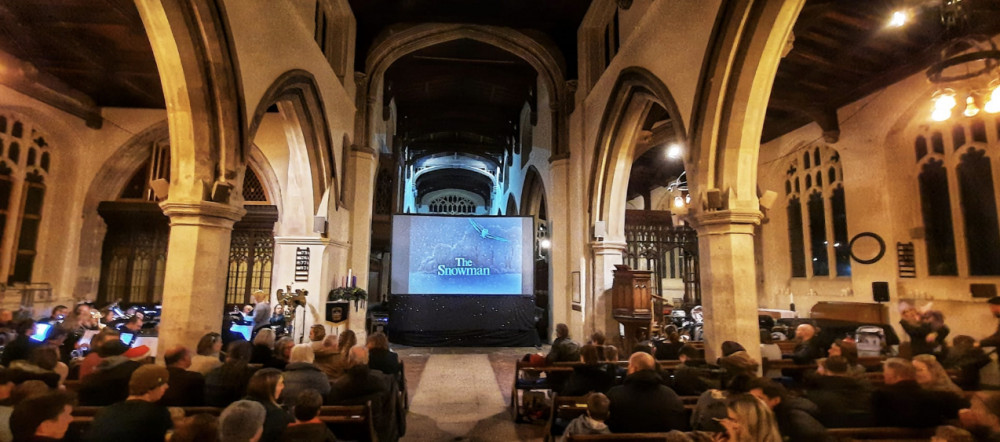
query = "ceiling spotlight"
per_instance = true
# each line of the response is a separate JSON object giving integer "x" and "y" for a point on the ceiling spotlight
{"x": 675, "y": 151}
{"x": 898, "y": 19}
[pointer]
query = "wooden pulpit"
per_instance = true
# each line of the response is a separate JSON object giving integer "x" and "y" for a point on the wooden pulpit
{"x": 631, "y": 303}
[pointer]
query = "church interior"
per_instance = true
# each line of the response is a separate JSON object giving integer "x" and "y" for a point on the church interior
{"x": 705, "y": 167}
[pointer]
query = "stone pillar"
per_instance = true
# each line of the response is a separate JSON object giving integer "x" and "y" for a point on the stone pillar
{"x": 606, "y": 254}
{"x": 322, "y": 252}
{"x": 728, "y": 279}
{"x": 194, "y": 286}
{"x": 560, "y": 288}
{"x": 363, "y": 168}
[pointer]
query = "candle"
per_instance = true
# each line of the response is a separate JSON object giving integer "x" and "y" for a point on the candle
{"x": 348, "y": 277}
{"x": 354, "y": 281}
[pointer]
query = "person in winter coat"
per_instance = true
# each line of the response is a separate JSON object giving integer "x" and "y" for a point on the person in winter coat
{"x": 302, "y": 375}
{"x": 796, "y": 416}
{"x": 589, "y": 377}
{"x": 843, "y": 400}
{"x": 642, "y": 404}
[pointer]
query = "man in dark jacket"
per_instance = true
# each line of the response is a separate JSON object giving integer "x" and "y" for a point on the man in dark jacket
{"x": 843, "y": 401}
{"x": 187, "y": 388}
{"x": 796, "y": 416}
{"x": 808, "y": 349}
{"x": 642, "y": 404}
{"x": 903, "y": 403}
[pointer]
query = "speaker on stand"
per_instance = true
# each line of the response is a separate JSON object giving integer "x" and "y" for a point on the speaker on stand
{"x": 880, "y": 291}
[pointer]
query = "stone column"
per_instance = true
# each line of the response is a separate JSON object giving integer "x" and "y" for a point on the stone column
{"x": 728, "y": 279}
{"x": 606, "y": 254}
{"x": 194, "y": 287}
{"x": 560, "y": 287}
{"x": 363, "y": 168}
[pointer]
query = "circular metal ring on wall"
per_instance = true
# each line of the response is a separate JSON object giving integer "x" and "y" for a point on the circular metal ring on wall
{"x": 881, "y": 247}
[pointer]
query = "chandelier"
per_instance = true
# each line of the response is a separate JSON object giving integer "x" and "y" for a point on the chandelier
{"x": 966, "y": 73}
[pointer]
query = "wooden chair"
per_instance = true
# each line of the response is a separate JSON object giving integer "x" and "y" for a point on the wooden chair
{"x": 564, "y": 408}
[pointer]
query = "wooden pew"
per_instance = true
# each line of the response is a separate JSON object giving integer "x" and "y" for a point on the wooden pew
{"x": 565, "y": 408}
{"x": 881, "y": 433}
{"x": 351, "y": 422}
{"x": 631, "y": 437}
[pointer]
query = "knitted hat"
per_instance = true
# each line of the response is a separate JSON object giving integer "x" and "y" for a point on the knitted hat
{"x": 139, "y": 353}
{"x": 146, "y": 378}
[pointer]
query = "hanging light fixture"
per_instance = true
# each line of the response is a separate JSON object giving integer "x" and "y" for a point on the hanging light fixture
{"x": 992, "y": 105}
{"x": 942, "y": 104}
{"x": 971, "y": 109}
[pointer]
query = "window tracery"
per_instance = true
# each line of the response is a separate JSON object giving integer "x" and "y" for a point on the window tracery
{"x": 817, "y": 235}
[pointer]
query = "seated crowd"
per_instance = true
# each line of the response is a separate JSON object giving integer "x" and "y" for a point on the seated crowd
{"x": 270, "y": 390}
{"x": 735, "y": 402}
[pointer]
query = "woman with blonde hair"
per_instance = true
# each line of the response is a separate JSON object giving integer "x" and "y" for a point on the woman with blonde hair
{"x": 932, "y": 376}
{"x": 750, "y": 420}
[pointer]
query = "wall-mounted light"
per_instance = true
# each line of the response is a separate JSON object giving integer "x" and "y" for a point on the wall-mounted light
{"x": 675, "y": 151}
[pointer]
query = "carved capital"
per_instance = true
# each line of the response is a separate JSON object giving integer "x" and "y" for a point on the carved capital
{"x": 202, "y": 213}
{"x": 720, "y": 222}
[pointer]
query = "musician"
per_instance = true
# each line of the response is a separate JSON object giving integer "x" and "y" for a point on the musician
{"x": 278, "y": 320}
{"x": 262, "y": 310}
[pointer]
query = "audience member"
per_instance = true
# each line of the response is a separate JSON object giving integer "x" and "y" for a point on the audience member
{"x": 201, "y": 427}
{"x": 737, "y": 364}
{"x": 187, "y": 388}
{"x": 302, "y": 375}
{"x": 208, "y": 354}
{"x": 278, "y": 321}
{"x": 642, "y": 403}
{"x": 808, "y": 350}
{"x": 597, "y": 339}
{"x": 796, "y": 417}
{"x": 227, "y": 382}
{"x": 263, "y": 348}
{"x": 669, "y": 349}
{"x": 42, "y": 418}
{"x": 692, "y": 376}
{"x": 266, "y": 387}
{"x": 40, "y": 365}
{"x": 316, "y": 335}
{"x": 969, "y": 359}
{"x": 598, "y": 406}
{"x": 98, "y": 351}
{"x": 730, "y": 347}
{"x": 6, "y": 405}
{"x": 138, "y": 418}
{"x": 563, "y": 348}
{"x": 307, "y": 426}
{"x": 282, "y": 352}
{"x": 849, "y": 351}
{"x": 843, "y": 400}
{"x": 994, "y": 339}
{"x": 333, "y": 354}
{"x": 712, "y": 404}
{"x": 358, "y": 381}
{"x": 932, "y": 376}
{"x": 982, "y": 418}
{"x": 949, "y": 433}
{"x": 902, "y": 403}
{"x": 926, "y": 330}
{"x": 57, "y": 315}
{"x": 109, "y": 381}
{"x": 749, "y": 420}
{"x": 242, "y": 421}
{"x": 22, "y": 344}
{"x": 379, "y": 356}
{"x": 589, "y": 377}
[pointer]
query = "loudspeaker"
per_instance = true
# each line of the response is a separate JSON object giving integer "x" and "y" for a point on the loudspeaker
{"x": 767, "y": 199}
{"x": 160, "y": 187}
{"x": 600, "y": 230}
{"x": 220, "y": 192}
{"x": 714, "y": 198}
{"x": 319, "y": 224}
{"x": 880, "y": 291}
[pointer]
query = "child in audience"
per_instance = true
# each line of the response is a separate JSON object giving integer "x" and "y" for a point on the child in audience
{"x": 592, "y": 422}
{"x": 307, "y": 426}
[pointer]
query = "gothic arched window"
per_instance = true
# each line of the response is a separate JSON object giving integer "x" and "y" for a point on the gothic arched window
{"x": 822, "y": 226}
{"x": 22, "y": 194}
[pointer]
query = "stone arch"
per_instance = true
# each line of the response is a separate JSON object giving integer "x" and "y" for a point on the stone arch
{"x": 511, "y": 205}
{"x": 258, "y": 161}
{"x": 106, "y": 186}
{"x": 298, "y": 98}
{"x": 203, "y": 92}
{"x": 728, "y": 119}
{"x": 392, "y": 46}
{"x": 634, "y": 95}
{"x": 532, "y": 193}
